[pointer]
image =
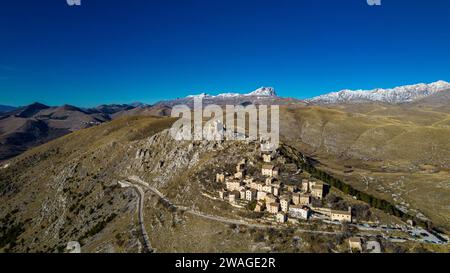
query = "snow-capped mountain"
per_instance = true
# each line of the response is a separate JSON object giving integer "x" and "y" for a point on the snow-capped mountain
{"x": 263, "y": 91}
{"x": 402, "y": 94}
{"x": 260, "y": 92}
{"x": 263, "y": 95}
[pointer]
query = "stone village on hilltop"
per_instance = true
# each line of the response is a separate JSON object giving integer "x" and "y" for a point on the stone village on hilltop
{"x": 273, "y": 196}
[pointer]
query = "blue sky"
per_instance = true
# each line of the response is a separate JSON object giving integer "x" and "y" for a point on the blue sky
{"x": 121, "y": 51}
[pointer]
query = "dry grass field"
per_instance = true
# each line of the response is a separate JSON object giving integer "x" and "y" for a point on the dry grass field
{"x": 400, "y": 153}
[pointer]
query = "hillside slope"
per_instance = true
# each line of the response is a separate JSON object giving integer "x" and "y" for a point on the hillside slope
{"x": 68, "y": 190}
{"x": 399, "y": 153}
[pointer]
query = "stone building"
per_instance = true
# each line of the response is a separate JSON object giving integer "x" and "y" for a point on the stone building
{"x": 257, "y": 185}
{"x": 261, "y": 195}
{"x": 242, "y": 193}
{"x": 233, "y": 196}
{"x": 317, "y": 190}
{"x": 341, "y": 215}
{"x": 233, "y": 185}
{"x": 305, "y": 185}
{"x": 284, "y": 203}
{"x": 270, "y": 198}
{"x": 267, "y": 157}
{"x": 250, "y": 194}
{"x": 276, "y": 191}
{"x": 296, "y": 198}
{"x": 300, "y": 212}
{"x": 220, "y": 177}
{"x": 269, "y": 170}
{"x": 267, "y": 188}
{"x": 273, "y": 207}
{"x": 260, "y": 206}
{"x": 355, "y": 243}
{"x": 301, "y": 199}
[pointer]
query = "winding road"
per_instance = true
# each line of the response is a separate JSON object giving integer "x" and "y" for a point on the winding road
{"x": 139, "y": 181}
{"x": 141, "y": 195}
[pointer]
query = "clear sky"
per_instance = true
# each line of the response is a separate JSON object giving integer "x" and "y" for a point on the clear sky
{"x": 121, "y": 51}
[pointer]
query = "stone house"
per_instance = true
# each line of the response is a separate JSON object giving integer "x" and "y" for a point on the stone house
{"x": 269, "y": 170}
{"x": 296, "y": 198}
{"x": 276, "y": 191}
{"x": 305, "y": 185}
{"x": 317, "y": 191}
{"x": 267, "y": 157}
{"x": 341, "y": 216}
{"x": 233, "y": 196}
{"x": 355, "y": 243}
{"x": 242, "y": 193}
{"x": 260, "y": 206}
{"x": 284, "y": 203}
{"x": 270, "y": 198}
{"x": 301, "y": 199}
{"x": 267, "y": 188}
{"x": 250, "y": 194}
{"x": 233, "y": 185}
{"x": 300, "y": 212}
{"x": 273, "y": 207}
{"x": 321, "y": 210}
{"x": 261, "y": 195}
{"x": 257, "y": 185}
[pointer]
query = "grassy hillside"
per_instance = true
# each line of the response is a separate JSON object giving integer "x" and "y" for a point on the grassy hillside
{"x": 64, "y": 190}
{"x": 400, "y": 153}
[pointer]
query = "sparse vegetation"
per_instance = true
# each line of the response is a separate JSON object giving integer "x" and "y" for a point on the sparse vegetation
{"x": 306, "y": 164}
{"x": 98, "y": 227}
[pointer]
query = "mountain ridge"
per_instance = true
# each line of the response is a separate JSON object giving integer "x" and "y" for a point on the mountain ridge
{"x": 396, "y": 95}
{"x": 6, "y": 108}
{"x": 34, "y": 124}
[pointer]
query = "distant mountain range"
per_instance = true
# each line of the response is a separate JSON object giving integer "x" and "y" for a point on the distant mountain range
{"x": 260, "y": 92}
{"x": 32, "y": 125}
{"x": 6, "y": 108}
{"x": 263, "y": 95}
{"x": 24, "y": 127}
{"x": 267, "y": 95}
{"x": 402, "y": 94}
